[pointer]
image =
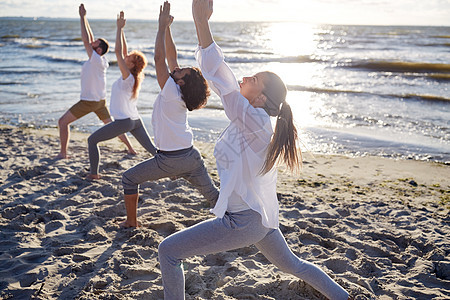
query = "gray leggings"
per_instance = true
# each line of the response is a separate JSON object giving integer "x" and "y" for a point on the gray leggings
{"x": 112, "y": 130}
{"x": 236, "y": 230}
{"x": 187, "y": 164}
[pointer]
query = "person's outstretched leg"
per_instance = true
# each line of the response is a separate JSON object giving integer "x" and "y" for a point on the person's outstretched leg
{"x": 234, "y": 230}
{"x": 64, "y": 133}
{"x": 148, "y": 170}
{"x": 105, "y": 133}
{"x": 123, "y": 137}
{"x": 276, "y": 250}
{"x": 200, "y": 178}
{"x": 142, "y": 136}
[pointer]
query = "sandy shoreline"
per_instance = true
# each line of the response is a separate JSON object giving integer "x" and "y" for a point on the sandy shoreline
{"x": 380, "y": 227}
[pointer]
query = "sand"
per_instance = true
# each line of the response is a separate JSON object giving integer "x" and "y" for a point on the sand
{"x": 378, "y": 226}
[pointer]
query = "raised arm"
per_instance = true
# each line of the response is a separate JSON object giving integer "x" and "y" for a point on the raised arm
{"x": 202, "y": 11}
{"x": 165, "y": 19}
{"x": 89, "y": 31}
{"x": 124, "y": 45}
{"x": 86, "y": 32}
{"x": 121, "y": 21}
{"x": 171, "y": 50}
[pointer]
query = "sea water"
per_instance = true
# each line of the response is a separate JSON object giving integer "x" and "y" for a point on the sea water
{"x": 355, "y": 90}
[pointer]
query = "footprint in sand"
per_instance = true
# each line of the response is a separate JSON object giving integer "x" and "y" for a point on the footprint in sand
{"x": 143, "y": 237}
{"x": 12, "y": 212}
{"x": 163, "y": 228}
{"x": 53, "y": 225}
{"x": 31, "y": 172}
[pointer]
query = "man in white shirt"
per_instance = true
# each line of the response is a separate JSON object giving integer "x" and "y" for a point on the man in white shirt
{"x": 252, "y": 217}
{"x": 93, "y": 86}
{"x": 182, "y": 89}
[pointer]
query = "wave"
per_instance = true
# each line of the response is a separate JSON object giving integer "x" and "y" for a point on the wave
{"x": 237, "y": 56}
{"x": 431, "y": 98}
{"x": 249, "y": 51}
{"x": 321, "y": 90}
{"x": 400, "y": 66}
{"x": 34, "y": 46}
{"x": 441, "y": 36}
{"x": 435, "y": 45}
{"x": 12, "y": 82}
{"x": 39, "y": 41}
{"x": 214, "y": 106}
{"x": 10, "y": 36}
{"x": 150, "y": 72}
{"x": 425, "y": 97}
{"x": 287, "y": 59}
{"x": 61, "y": 59}
{"x": 63, "y": 43}
{"x": 21, "y": 72}
{"x": 440, "y": 76}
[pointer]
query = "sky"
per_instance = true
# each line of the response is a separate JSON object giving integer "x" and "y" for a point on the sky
{"x": 361, "y": 12}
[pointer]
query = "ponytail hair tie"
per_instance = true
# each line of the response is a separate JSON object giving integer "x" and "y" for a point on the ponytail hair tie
{"x": 280, "y": 118}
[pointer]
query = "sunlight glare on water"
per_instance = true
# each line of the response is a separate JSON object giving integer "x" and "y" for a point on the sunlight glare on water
{"x": 297, "y": 43}
{"x": 381, "y": 90}
{"x": 291, "y": 39}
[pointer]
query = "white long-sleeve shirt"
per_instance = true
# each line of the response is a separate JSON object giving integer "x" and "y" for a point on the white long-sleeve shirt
{"x": 241, "y": 149}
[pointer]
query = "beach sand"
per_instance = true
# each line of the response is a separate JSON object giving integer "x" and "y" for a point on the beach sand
{"x": 380, "y": 227}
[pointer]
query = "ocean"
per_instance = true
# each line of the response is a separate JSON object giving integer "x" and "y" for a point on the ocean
{"x": 354, "y": 90}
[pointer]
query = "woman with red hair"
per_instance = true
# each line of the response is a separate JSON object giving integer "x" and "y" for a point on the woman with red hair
{"x": 123, "y": 105}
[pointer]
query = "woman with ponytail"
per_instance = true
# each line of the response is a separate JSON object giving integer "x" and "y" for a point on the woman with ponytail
{"x": 123, "y": 104}
{"x": 247, "y": 155}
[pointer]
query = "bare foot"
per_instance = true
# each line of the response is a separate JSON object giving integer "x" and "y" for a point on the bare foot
{"x": 126, "y": 224}
{"x": 62, "y": 156}
{"x": 131, "y": 152}
{"x": 93, "y": 177}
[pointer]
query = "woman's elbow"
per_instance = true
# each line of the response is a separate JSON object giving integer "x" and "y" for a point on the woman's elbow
{"x": 158, "y": 58}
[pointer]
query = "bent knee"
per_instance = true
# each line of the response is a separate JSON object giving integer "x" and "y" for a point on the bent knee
{"x": 62, "y": 122}
{"x": 90, "y": 140}
{"x": 126, "y": 179}
{"x": 128, "y": 184}
{"x": 164, "y": 249}
{"x": 170, "y": 251}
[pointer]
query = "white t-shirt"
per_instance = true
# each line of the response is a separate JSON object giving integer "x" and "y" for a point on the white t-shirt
{"x": 241, "y": 149}
{"x": 121, "y": 105}
{"x": 93, "y": 78}
{"x": 169, "y": 119}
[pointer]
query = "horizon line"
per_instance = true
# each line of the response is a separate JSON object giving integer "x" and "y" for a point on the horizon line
{"x": 243, "y": 21}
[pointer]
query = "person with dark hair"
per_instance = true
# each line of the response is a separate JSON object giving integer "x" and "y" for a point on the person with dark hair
{"x": 104, "y": 45}
{"x": 247, "y": 154}
{"x": 195, "y": 90}
{"x": 93, "y": 87}
{"x": 124, "y": 96}
{"x": 182, "y": 89}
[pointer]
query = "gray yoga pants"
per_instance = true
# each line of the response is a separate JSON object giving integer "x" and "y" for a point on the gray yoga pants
{"x": 186, "y": 163}
{"x": 236, "y": 230}
{"x": 112, "y": 130}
